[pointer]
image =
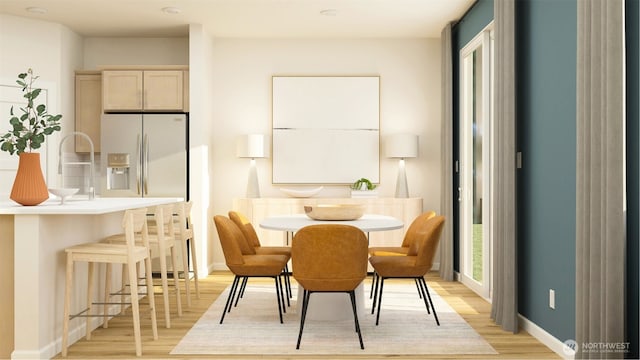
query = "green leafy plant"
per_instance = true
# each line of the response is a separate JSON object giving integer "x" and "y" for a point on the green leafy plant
{"x": 363, "y": 181}
{"x": 29, "y": 129}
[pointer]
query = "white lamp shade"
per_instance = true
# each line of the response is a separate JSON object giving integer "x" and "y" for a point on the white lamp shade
{"x": 252, "y": 146}
{"x": 402, "y": 146}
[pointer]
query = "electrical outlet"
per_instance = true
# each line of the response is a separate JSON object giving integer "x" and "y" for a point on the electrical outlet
{"x": 552, "y": 298}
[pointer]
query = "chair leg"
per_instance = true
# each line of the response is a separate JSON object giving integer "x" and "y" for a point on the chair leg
{"x": 376, "y": 280}
{"x": 135, "y": 308}
{"x": 165, "y": 285}
{"x": 288, "y": 281}
{"x": 90, "y": 269}
{"x": 286, "y": 289}
{"x": 305, "y": 304}
{"x": 278, "y": 296}
{"x": 230, "y": 297}
{"x": 176, "y": 279}
{"x": 352, "y": 295}
{"x": 424, "y": 283}
{"x": 194, "y": 263}
{"x": 67, "y": 304}
{"x": 107, "y": 292}
{"x": 151, "y": 296}
{"x": 185, "y": 269}
{"x": 123, "y": 288}
{"x": 243, "y": 286}
{"x": 423, "y": 296}
{"x": 379, "y": 299}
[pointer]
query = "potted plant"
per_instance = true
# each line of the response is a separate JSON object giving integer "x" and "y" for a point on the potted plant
{"x": 363, "y": 187}
{"x": 28, "y": 132}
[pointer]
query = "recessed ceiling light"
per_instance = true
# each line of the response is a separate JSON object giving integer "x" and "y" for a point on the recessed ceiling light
{"x": 329, "y": 12}
{"x": 36, "y": 10}
{"x": 171, "y": 10}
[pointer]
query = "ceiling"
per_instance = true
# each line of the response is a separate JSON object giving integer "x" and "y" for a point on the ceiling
{"x": 247, "y": 18}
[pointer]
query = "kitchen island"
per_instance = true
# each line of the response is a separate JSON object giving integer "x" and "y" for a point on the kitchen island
{"x": 32, "y": 268}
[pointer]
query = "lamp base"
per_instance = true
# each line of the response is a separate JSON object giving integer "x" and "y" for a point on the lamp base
{"x": 253, "y": 188}
{"x": 402, "y": 189}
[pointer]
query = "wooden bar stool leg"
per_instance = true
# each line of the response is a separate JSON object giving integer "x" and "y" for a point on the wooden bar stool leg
{"x": 165, "y": 285}
{"x": 135, "y": 307}
{"x": 194, "y": 263}
{"x": 67, "y": 303}
{"x": 123, "y": 288}
{"x": 90, "y": 269}
{"x": 107, "y": 292}
{"x": 185, "y": 268}
{"x": 176, "y": 279}
{"x": 151, "y": 296}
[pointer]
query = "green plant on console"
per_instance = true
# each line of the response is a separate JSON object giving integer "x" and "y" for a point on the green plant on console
{"x": 363, "y": 181}
{"x": 29, "y": 130}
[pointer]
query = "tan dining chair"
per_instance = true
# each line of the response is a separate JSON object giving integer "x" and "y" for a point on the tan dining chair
{"x": 414, "y": 265}
{"x": 130, "y": 254}
{"x": 253, "y": 241}
{"x": 329, "y": 258}
{"x": 412, "y": 235}
{"x": 244, "y": 266}
{"x": 162, "y": 244}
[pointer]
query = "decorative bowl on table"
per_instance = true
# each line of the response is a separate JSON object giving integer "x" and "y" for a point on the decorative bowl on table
{"x": 335, "y": 212}
{"x": 63, "y": 193}
{"x": 302, "y": 193}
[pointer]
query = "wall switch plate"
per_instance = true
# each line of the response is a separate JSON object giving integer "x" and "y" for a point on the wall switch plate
{"x": 552, "y": 298}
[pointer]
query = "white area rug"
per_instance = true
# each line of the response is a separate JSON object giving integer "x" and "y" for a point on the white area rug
{"x": 253, "y": 328}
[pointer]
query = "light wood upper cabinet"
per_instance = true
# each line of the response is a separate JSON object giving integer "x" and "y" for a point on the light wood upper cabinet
{"x": 88, "y": 98}
{"x": 143, "y": 90}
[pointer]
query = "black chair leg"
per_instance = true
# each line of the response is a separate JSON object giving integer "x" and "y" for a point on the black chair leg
{"x": 287, "y": 281}
{"x": 423, "y": 294}
{"x": 229, "y": 298}
{"x": 305, "y": 304}
{"x": 352, "y": 294}
{"x": 380, "y": 299}
{"x": 424, "y": 283}
{"x": 419, "y": 289}
{"x": 374, "y": 277}
{"x": 282, "y": 291}
{"x": 241, "y": 291}
{"x": 375, "y": 292}
{"x": 278, "y": 295}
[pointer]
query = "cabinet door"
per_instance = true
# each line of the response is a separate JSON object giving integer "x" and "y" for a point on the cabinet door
{"x": 88, "y": 97}
{"x": 163, "y": 90}
{"x": 121, "y": 90}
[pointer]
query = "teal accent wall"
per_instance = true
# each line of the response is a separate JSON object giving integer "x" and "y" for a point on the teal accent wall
{"x": 546, "y": 113}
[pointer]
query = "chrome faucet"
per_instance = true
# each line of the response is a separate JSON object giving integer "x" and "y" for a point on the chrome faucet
{"x": 92, "y": 189}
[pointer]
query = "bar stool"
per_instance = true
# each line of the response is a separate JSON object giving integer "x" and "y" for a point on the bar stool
{"x": 130, "y": 255}
{"x": 161, "y": 242}
{"x": 186, "y": 239}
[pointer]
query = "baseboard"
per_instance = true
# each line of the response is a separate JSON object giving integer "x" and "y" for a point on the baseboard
{"x": 547, "y": 339}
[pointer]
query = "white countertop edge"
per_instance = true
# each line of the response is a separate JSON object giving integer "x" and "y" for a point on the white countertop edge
{"x": 98, "y": 206}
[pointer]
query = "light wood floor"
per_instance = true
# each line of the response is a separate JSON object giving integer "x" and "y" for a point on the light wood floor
{"x": 116, "y": 342}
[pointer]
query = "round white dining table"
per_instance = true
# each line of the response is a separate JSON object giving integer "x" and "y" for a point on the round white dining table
{"x": 367, "y": 223}
{"x": 331, "y": 306}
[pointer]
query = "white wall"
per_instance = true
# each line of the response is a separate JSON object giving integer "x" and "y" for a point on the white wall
{"x": 135, "y": 51}
{"x": 53, "y": 52}
{"x": 409, "y": 72}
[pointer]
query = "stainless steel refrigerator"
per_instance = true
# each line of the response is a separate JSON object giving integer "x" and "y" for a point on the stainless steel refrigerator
{"x": 144, "y": 155}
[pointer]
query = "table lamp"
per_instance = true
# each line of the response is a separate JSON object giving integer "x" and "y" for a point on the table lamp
{"x": 252, "y": 146}
{"x": 402, "y": 146}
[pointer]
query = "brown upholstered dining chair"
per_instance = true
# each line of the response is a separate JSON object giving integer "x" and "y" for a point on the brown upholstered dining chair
{"x": 414, "y": 265}
{"x": 329, "y": 258}
{"x": 255, "y": 247}
{"x": 246, "y": 266}
{"x": 412, "y": 235}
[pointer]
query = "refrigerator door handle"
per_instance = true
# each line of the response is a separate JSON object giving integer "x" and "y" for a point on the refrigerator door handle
{"x": 139, "y": 165}
{"x": 146, "y": 165}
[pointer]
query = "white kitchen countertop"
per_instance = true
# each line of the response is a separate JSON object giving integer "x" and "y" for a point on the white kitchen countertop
{"x": 82, "y": 206}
